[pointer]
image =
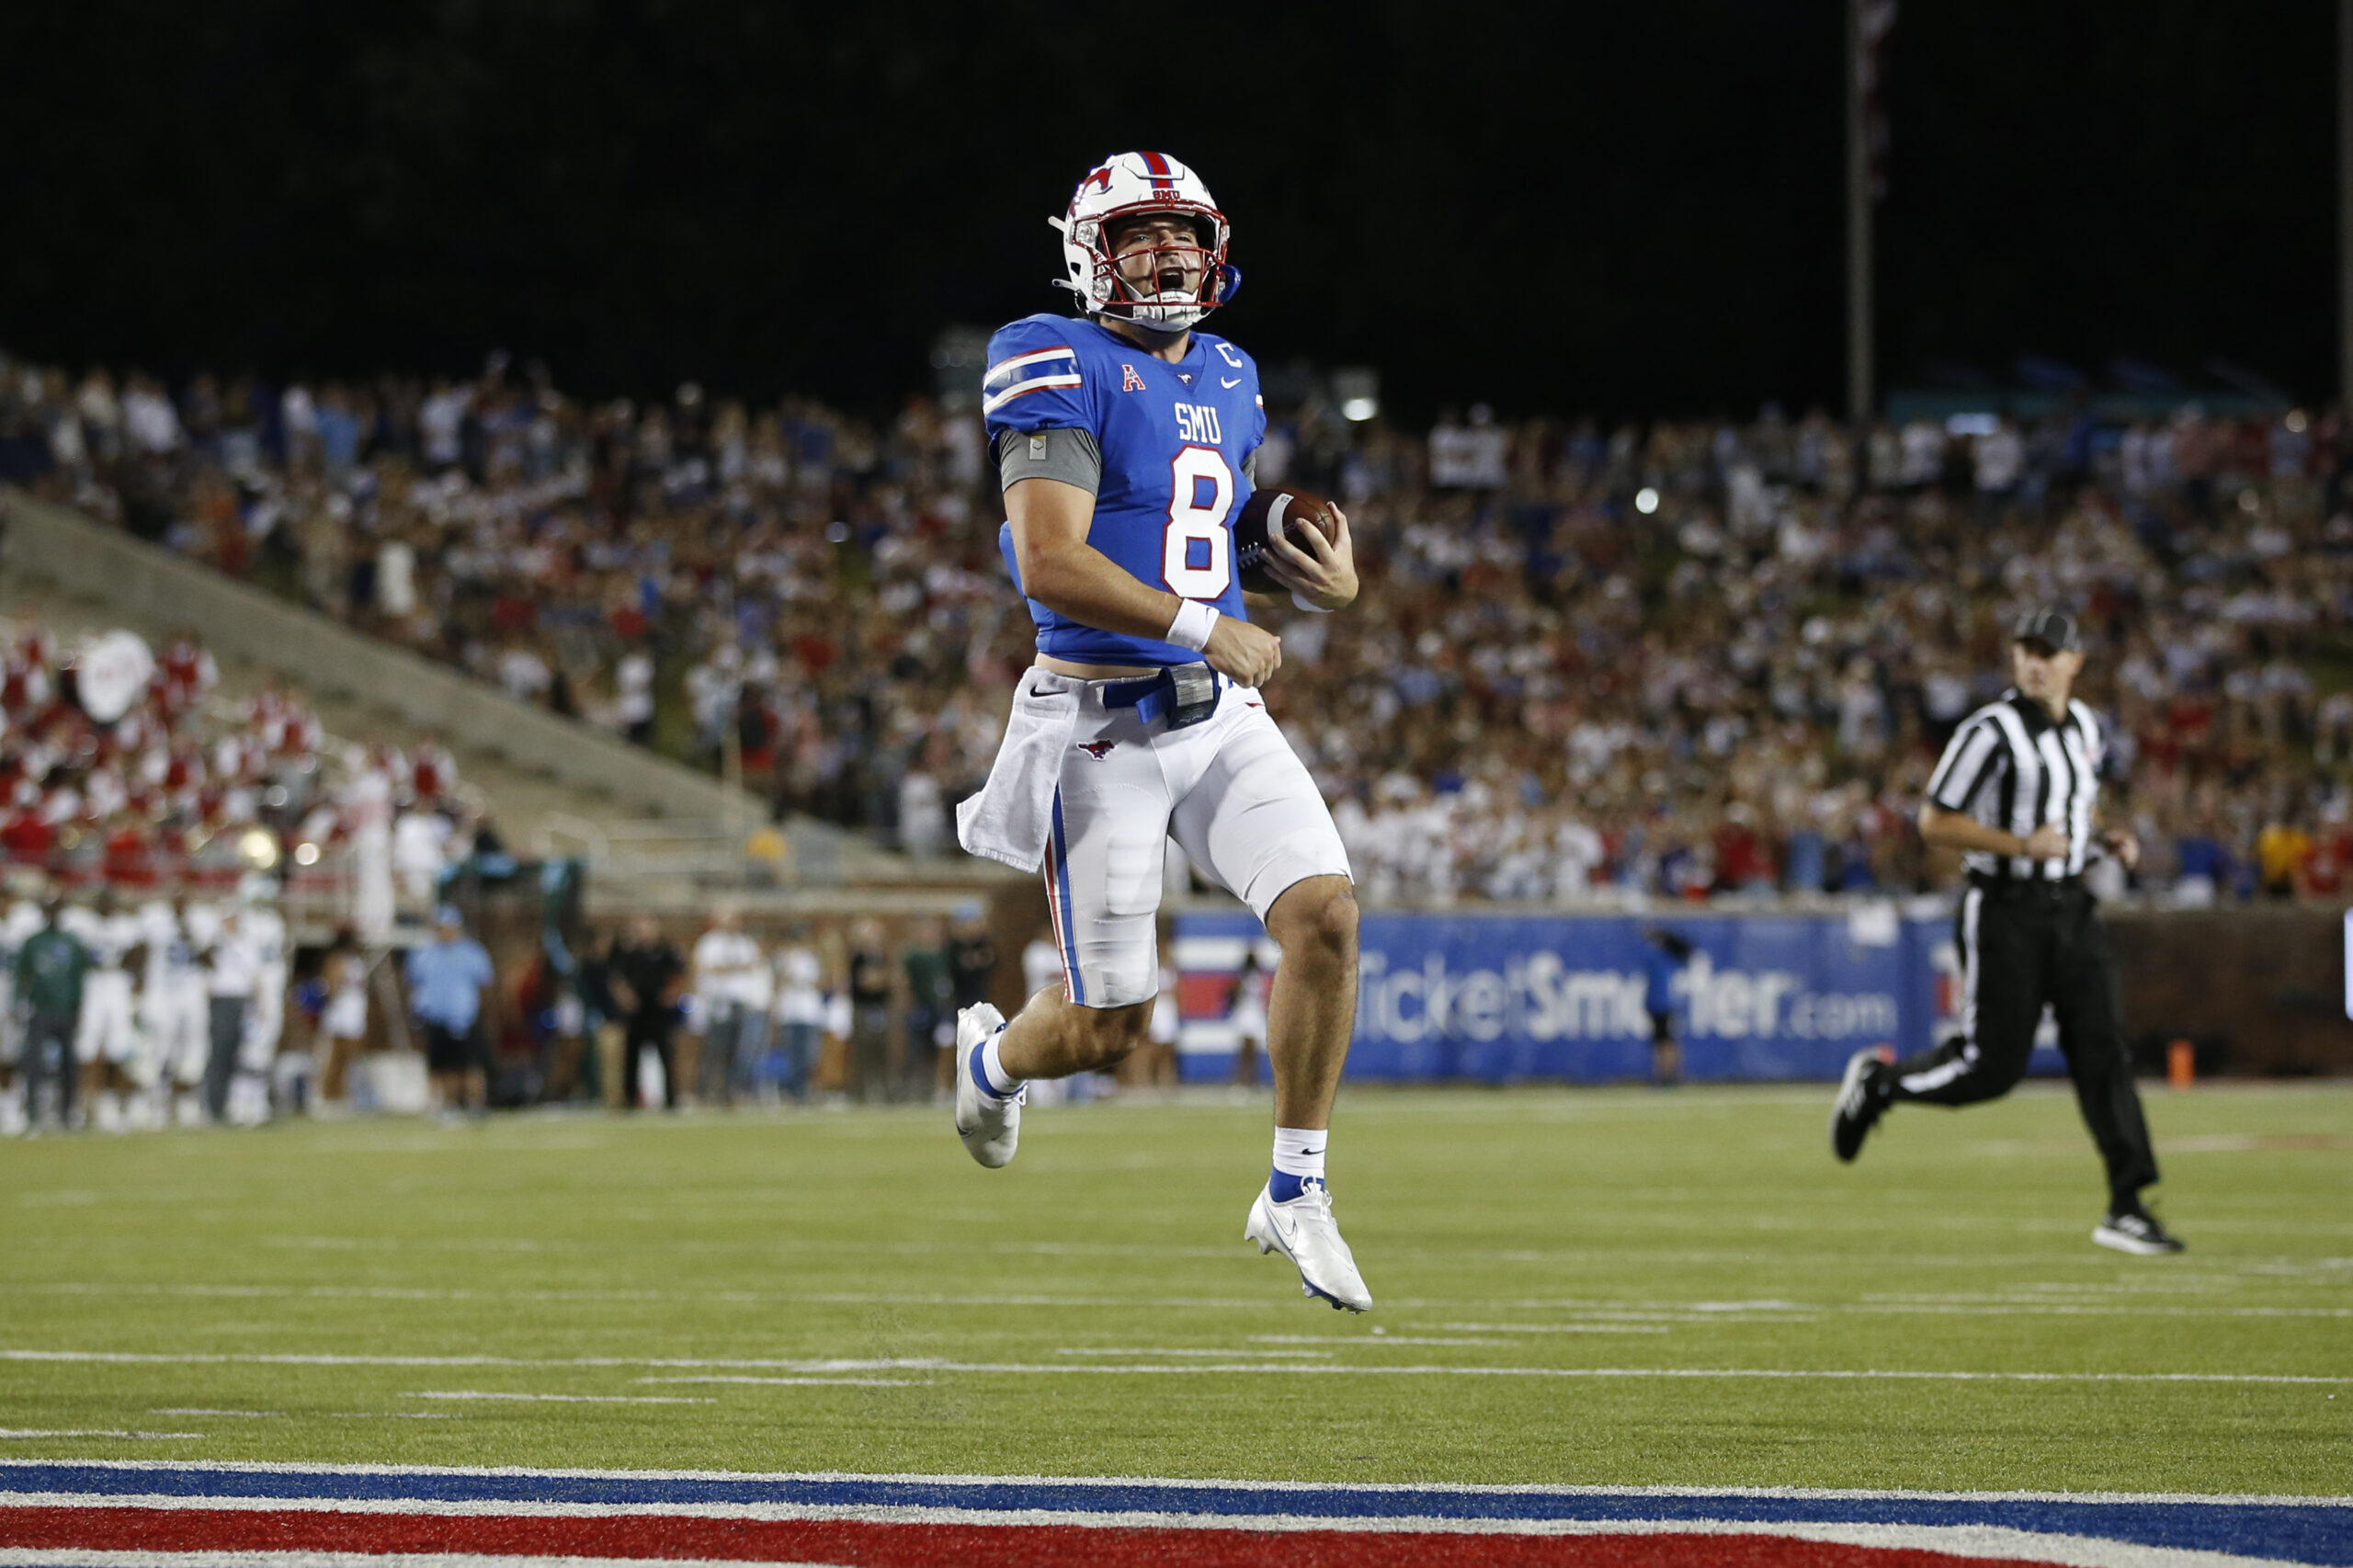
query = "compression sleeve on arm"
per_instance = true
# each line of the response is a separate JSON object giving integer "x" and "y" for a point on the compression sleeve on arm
{"x": 1068, "y": 455}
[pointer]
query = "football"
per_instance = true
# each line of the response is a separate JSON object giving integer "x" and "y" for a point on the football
{"x": 1297, "y": 510}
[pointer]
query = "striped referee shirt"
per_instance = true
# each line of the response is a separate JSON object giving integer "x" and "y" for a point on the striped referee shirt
{"x": 2013, "y": 766}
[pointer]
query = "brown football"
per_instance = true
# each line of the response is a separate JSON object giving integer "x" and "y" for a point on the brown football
{"x": 1299, "y": 510}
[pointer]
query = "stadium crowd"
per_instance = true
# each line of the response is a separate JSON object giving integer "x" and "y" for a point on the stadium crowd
{"x": 1692, "y": 659}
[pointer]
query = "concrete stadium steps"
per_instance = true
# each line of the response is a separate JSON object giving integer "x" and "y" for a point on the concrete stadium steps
{"x": 656, "y": 833}
{"x": 519, "y": 798}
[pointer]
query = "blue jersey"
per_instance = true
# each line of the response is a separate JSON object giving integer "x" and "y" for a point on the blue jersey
{"x": 1174, "y": 440}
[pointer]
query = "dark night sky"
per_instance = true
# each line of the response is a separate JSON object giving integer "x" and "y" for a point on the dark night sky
{"x": 1625, "y": 209}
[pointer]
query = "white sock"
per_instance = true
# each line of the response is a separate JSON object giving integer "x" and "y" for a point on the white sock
{"x": 1298, "y": 1156}
{"x": 995, "y": 1079}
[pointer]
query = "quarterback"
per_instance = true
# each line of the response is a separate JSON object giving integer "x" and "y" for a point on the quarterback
{"x": 1126, "y": 438}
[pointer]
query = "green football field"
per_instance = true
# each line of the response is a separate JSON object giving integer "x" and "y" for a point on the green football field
{"x": 1619, "y": 1287}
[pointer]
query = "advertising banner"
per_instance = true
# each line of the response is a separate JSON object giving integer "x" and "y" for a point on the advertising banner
{"x": 1504, "y": 997}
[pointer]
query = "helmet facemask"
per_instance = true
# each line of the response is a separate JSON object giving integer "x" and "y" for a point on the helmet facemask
{"x": 1167, "y": 284}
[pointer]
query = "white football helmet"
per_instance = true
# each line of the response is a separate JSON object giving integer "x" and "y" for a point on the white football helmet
{"x": 1125, "y": 185}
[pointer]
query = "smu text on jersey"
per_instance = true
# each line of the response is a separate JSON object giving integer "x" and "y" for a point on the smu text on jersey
{"x": 1174, "y": 440}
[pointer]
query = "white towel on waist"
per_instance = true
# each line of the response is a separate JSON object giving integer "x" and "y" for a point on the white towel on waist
{"x": 1012, "y": 817}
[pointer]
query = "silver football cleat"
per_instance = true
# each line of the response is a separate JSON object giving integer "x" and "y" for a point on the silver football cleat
{"x": 1304, "y": 1232}
{"x": 990, "y": 1126}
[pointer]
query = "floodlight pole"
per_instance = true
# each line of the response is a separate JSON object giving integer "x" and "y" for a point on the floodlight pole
{"x": 2344, "y": 202}
{"x": 1859, "y": 220}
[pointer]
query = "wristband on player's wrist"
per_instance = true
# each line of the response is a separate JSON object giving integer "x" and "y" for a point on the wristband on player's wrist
{"x": 1302, "y": 601}
{"x": 1192, "y": 625}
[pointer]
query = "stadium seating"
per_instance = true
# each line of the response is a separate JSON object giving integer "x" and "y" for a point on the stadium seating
{"x": 1697, "y": 659}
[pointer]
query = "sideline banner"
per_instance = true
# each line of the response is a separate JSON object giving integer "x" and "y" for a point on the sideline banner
{"x": 1499, "y": 997}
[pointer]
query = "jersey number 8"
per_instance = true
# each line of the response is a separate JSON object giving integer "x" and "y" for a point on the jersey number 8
{"x": 1197, "y": 549}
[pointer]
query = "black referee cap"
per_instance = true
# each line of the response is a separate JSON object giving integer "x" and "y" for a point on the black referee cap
{"x": 2053, "y": 629}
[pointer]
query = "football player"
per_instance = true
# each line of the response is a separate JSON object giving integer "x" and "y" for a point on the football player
{"x": 1125, "y": 439}
{"x": 106, "y": 1037}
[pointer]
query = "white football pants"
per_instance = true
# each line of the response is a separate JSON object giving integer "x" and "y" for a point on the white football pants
{"x": 179, "y": 1023}
{"x": 1229, "y": 790}
{"x": 105, "y": 1031}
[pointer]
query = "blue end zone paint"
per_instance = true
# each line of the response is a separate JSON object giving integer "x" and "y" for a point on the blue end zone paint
{"x": 2303, "y": 1532}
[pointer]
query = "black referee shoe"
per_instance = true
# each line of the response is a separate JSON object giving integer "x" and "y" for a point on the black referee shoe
{"x": 1863, "y": 1095}
{"x": 2135, "y": 1231}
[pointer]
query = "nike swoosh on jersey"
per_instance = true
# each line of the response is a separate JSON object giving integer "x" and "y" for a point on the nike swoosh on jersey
{"x": 1223, "y": 382}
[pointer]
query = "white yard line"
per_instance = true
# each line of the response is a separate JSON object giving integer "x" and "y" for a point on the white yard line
{"x": 1962, "y": 1304}
{"x": 804, "y": 1382}
{"x": 1301, "y": 1368}
{"x": 1606, "y": 1326}
{"x": 559, "y": 1398}
{"x": 1375, "y": 1337}
{"x": 718, "y": 1298}
{"x": 1322, "y": 1355}
{"x": 30, "y": 1432}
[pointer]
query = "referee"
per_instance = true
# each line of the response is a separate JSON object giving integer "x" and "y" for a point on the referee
{"x": 2017, "y": 789}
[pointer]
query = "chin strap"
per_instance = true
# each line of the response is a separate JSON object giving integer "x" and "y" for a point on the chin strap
{"x": 1229, "y": 283}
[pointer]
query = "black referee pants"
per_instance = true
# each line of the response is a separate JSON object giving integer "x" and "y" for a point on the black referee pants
{"x": 2021, "y": 946}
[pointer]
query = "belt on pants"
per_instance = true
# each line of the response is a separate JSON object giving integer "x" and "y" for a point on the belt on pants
{"x": 1182, "y": 694}
{"x": 2036, "y": 889}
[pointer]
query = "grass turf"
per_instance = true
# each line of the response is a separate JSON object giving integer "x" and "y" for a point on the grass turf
{"x": 1632, "y": 1230}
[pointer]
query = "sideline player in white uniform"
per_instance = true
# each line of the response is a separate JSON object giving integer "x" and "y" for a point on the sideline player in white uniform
{"x": 264, "y": 930}
{"x": 106, "y": 1040}
{"x": 265, "y": 934}
{"x": 178, "y": 1010}
{"x": 1125, "y": 440}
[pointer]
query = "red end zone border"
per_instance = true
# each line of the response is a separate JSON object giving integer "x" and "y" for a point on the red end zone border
{"x": 137, "y": 1514}
{"x": 159, "y": 1536}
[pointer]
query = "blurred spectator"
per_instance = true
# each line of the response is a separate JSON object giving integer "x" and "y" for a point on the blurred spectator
{"x": 605, "y": 1022}
{"x": 972, "y": 969}
{"x": 731, "y": 991}
{"x": 1246, "y": 1014}
{"x": 1664, "y": 957}
{"x": 869, "y": 1001}
{"x": 343, "y": 1019}
{"x": 799, "y": 1012}
{"x": 420, "y": 854}
{"x": 931, "y": 1010}
{"x": 447, "y": 979}
{"x": 49, "y": 973}
{"x": 234, "y": 1085}
{"x": 972, "y": 960}
{"x": 644, "y": 974}
{"x": 2283, "y": 852}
